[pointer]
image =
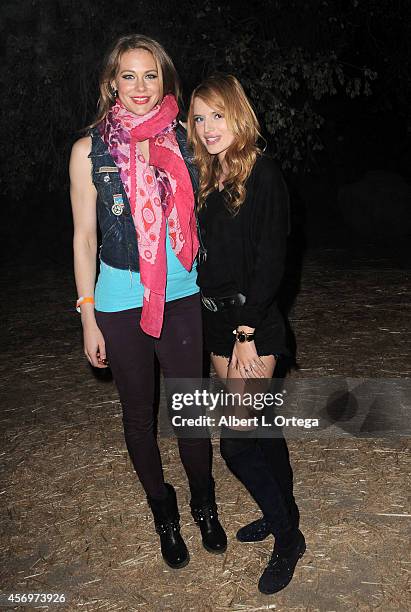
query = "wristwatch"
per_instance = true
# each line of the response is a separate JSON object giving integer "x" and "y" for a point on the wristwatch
{"x": 242, "y": 336}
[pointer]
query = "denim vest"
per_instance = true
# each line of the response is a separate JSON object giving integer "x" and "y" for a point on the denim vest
{"x": 118, "y": 235}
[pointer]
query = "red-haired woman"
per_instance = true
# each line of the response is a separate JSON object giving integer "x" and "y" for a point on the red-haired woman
{"x": 132, "y": 175}
{"x": 243, "y": 218}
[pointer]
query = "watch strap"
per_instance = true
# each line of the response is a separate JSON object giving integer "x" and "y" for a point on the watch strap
{"x": 242, "y": 336}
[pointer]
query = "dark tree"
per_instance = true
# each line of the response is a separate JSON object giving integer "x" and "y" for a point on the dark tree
{"x": 304, "y": 64}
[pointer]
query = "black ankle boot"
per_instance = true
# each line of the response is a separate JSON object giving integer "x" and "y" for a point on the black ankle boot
{"x": 167, "y": 522}
{"x": 205, "y": 514}
{"x": 281, "y": 566}
{"x": 257, "y": 531}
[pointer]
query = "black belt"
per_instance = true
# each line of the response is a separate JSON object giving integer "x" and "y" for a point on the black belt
{"x": 223, "y": 303}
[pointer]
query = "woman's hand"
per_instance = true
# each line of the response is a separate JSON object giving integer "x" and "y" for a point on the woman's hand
{"x": 94, "y": 345}
{"x": 246, "y": 360}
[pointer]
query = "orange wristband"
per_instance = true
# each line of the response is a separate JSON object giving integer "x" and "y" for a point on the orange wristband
{"x": 83, "y": 300}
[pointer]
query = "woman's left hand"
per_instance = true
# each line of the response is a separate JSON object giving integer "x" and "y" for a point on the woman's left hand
{"x": 246, "y": 360}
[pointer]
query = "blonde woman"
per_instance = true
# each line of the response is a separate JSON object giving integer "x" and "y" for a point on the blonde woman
{"x": 243, "y": 220}
{"x": 131, "y": 176}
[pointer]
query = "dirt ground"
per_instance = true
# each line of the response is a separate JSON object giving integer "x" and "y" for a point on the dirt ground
{"x": 74, "y": 520}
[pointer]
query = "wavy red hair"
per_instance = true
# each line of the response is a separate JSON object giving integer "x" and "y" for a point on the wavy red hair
{"x": 225, "y": 93}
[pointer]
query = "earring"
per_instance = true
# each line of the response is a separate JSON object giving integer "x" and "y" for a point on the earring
{"x": 265, "y": 145}
{"x": 114, "y": 93}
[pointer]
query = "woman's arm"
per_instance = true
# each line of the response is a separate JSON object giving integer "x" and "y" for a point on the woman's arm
{"x": 269, "y": 230}
{"x": 83, "y": 201}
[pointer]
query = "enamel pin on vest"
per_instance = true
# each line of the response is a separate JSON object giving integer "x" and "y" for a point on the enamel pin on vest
{"x": 118, "y": 206}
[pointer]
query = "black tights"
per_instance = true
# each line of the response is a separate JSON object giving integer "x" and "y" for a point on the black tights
{"x": 131, "y": 355}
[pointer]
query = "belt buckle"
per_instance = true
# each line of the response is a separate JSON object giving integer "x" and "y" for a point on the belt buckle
{"x": 209, "y": 303}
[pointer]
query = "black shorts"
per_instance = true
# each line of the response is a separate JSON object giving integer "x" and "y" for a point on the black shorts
{"x": 270, "y": 337}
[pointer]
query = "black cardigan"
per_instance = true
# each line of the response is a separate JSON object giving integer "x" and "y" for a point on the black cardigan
{"x": 246, "y": 252}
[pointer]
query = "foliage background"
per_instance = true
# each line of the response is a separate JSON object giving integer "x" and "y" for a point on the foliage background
{"x": 329, "y": 80}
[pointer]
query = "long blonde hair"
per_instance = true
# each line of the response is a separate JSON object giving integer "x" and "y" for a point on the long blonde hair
{"x": 225, "y": 93}
{"x": 169, "y": 80}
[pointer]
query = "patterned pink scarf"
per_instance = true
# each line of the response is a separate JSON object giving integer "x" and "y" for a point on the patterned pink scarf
{"x": 122, "y": 131}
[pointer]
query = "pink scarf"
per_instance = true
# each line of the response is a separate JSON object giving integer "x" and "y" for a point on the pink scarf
{"x": 122, "y": 131}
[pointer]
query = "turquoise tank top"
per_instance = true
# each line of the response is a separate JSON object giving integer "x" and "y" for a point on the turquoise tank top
{"x": 121, "y": 289}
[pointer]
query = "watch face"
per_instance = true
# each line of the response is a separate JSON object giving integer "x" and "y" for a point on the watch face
{"x": 241, "y": 336}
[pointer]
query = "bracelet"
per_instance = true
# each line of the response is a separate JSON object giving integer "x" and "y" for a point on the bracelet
{"x": 242, "y": 336}
{"x": 83, "y": 300}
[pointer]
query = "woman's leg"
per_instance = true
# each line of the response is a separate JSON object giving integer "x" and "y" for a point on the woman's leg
{"x": 274, "y": 449}
{"x": 131, "y": 357}
{"x": 180, "y": 352}
{"x": 130, "y": 354}
{"x": 241, "y": 450}
{"x": 246, "y": 458}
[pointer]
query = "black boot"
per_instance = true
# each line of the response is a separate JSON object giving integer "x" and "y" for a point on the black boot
{"x": 281, "y": 566}
{"x": 167, "y": 522}
{"x": 205, "y": 514}
{"x": 257, "y": 531}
